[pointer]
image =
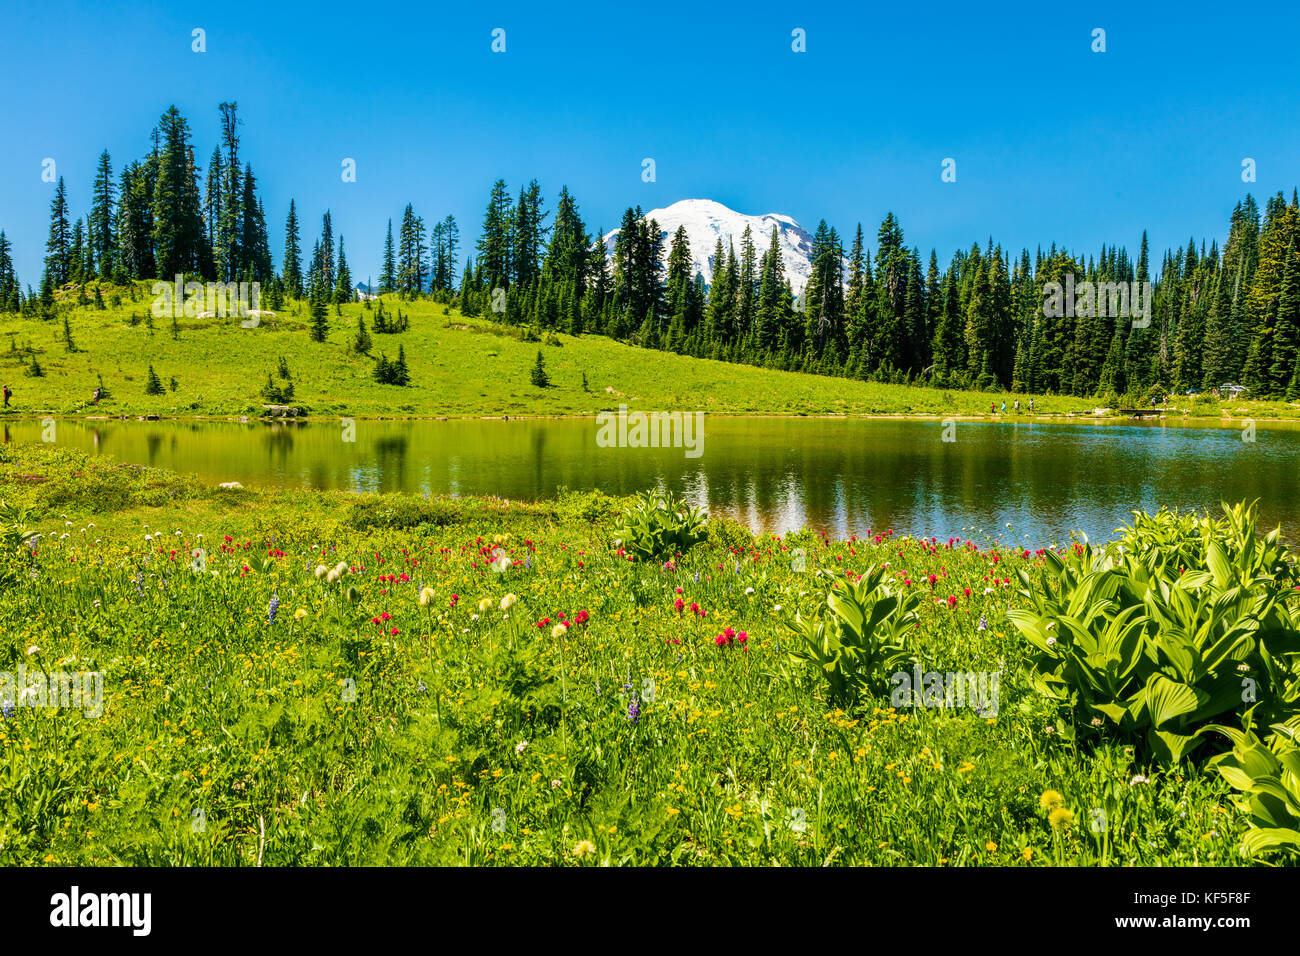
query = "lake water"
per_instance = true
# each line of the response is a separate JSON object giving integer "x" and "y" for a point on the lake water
{"x": 774, "y": 474}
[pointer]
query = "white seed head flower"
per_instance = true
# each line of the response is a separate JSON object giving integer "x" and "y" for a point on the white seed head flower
{"x": 508, "y": 602}
{"x": 33, "y": 650}
{"x": 321, "y": 571}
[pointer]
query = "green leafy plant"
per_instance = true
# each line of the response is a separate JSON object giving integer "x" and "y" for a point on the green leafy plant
{"x": 1268, "y": 778}
{"x": 1180, "y": 621}
{"x": 14, "y": 532}
{"x": 660, "y": 525}
{"x": 857, "y": 638}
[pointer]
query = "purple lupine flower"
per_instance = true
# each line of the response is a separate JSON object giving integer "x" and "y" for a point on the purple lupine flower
{"x": 634, "y": 710}
{"x": 272, "y": 609}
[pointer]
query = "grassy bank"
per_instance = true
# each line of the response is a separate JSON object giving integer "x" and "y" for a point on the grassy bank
{"x": 254, "y": 711}
{"x": 458, "y": 367}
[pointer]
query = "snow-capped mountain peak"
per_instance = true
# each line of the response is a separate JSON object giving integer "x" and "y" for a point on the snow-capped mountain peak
{"x": 706, "y": 221}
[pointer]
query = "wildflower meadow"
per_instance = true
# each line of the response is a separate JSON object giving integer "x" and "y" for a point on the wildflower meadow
{"x": 312, "y": 678}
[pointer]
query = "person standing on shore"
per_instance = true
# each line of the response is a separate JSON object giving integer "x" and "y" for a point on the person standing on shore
{"x": 7, "y": 394}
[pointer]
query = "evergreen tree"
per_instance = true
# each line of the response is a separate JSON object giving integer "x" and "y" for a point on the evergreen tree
{"x": 153, "y": 384}
{"x": 135, "y": 220}
{"x": 388, "y": 271}
{"x": 292, "y": 270}
{"x": 103, "y": 239}
{"x": 254, "y": 244}
{"x": 177, "y": 221}
{"x": 528, "y": 234}
{"x": 361, "y": 343}
{"x": 58, "y": 248}
{"x": 411, "y": 264}
{"x": 343, "y": 291}
{"x": 538, "y": 375}
{"x": 1286, "y": 330}
{"x": 496, "y": 244}
{"x": 10, "y": 291}
{"x": 319, "y": 316}
{"x": 325, "y": 263}
{"x": 227, "y": 253}
{"x": 401, "y": 375}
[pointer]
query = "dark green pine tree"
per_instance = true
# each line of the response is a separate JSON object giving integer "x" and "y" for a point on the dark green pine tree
{"x": 1286, "y": 329}
{"x": 388, "y": 271}
{"x": 362, "y": 342}
{"x": 228, "y": 256}
{"x": 153, "y": 384}
{"x": 177, "y": 214}
{"x": 254, "y": 244}
{"x": 103, "y": 238}
{"x": 292, "y": 270}
{"x": 319, "y": 315}
{"x": 343, "y": 291}
{"x": 683, "y": 306}
{"x": 528, "y": 234}
{"x": 411, "y": 264}
{"x": 1221, "y": 356}
{"x": 212, "y": 197}
{"x": 538, "y": 375}
{"x": 400, "y": 373}
{"x": 771, "y": 313}
{"x": 10, "y": 291}
{"x": 496, "y": 243}
{"x": 58, "y": 247}
{"x": 135, "y": 220}
{"x": 77, "y": 253}
{"x": 325, "y": 263}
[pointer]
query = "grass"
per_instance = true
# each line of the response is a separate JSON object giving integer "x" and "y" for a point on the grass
{"x": 459, "y": 367}
{"x": 362, "y": 727}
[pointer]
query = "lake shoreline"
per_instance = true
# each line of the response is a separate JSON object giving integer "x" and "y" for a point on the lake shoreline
{"x": 307, "y": 419}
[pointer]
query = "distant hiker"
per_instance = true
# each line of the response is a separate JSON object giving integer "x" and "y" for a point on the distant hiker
{"x": 96, "y": 397}
{"x": 7, "y": 394}
{"x": 1031, "y": 406}
{"x": 1004, "y": 406}
{"x": 1017, "y": 406}
{"x": 992, "y": 408}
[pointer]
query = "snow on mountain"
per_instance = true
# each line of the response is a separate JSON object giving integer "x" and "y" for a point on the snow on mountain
{"x": 706, "y": 221}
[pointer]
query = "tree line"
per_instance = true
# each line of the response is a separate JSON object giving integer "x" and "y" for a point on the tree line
{"x": 1213, "y": 316}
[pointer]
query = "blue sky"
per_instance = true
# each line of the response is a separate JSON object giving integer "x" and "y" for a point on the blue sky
{"x": 1052, "y": 141}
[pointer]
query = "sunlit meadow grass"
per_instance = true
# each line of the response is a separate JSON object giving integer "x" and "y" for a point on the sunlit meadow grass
{"x": 483, "y": 735}
{"x": 459, "y": 366}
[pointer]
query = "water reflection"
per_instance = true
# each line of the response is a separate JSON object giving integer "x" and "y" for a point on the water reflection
{"x": 840, "y": 476}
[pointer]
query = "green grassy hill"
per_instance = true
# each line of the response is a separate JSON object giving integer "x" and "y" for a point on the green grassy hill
{"x": 459, "y": 367}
